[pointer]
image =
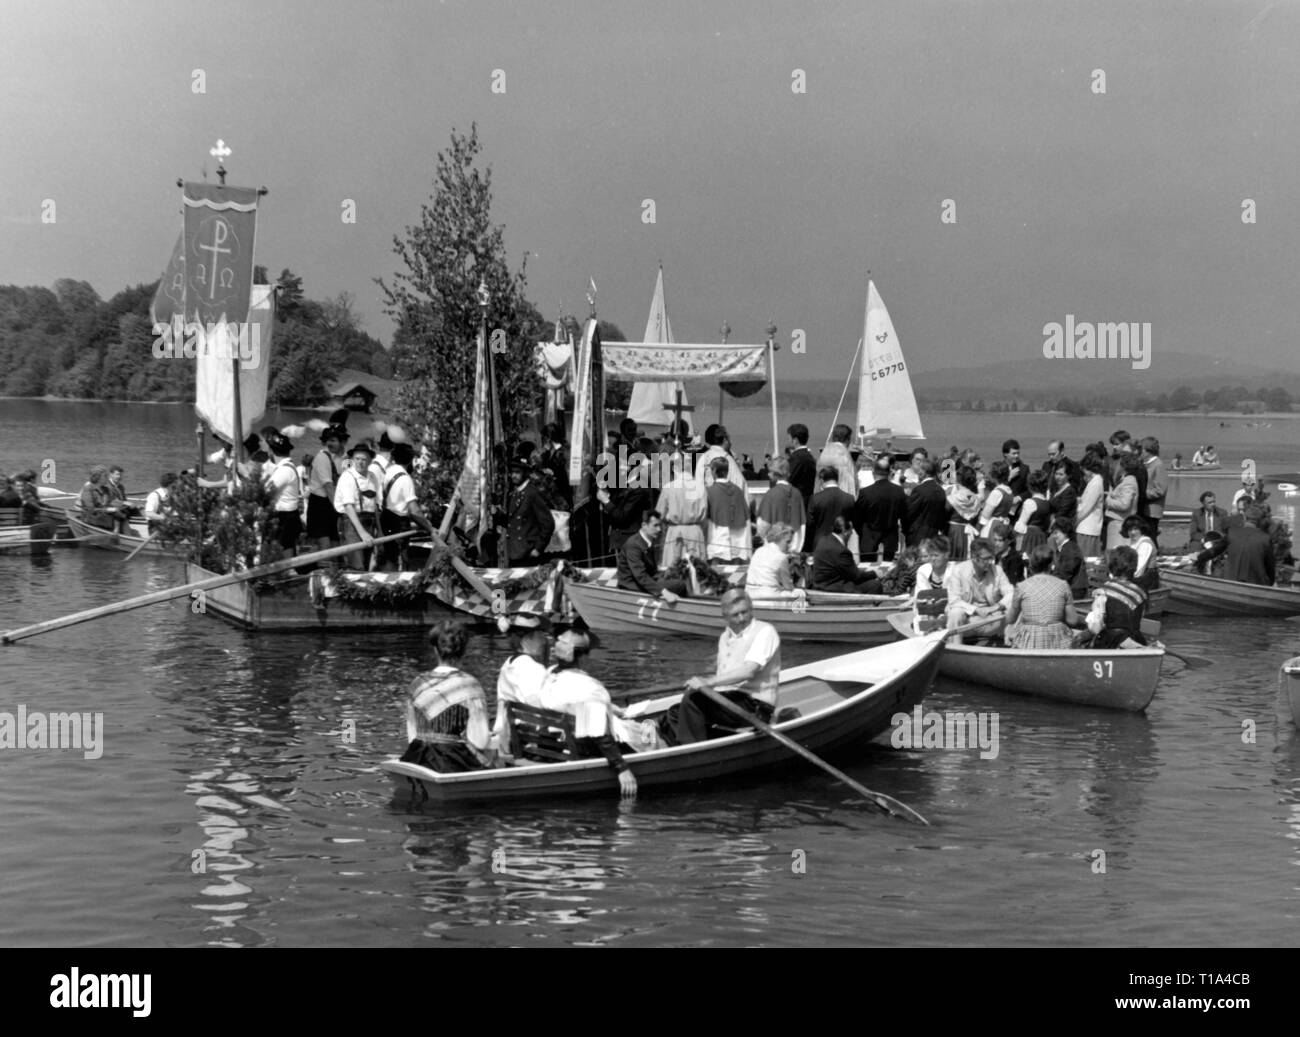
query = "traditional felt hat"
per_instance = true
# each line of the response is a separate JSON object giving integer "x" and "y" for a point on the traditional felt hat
{"x": 521, "y": 464}
{"x": 364, "y": 447}
{"x": 335, "y": 432}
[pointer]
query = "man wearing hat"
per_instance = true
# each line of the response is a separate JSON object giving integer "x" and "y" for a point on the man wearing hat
{"x": 322, "y": 519}
{"x": 356, "y": 501}
{"x": 528, "y": 521}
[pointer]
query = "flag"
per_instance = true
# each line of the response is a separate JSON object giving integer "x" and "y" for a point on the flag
{"x": 214, "y": 375}
{"x": 169, "y": 299}
{"x": 220, "y": 228}
{"x": 476, "y": 477}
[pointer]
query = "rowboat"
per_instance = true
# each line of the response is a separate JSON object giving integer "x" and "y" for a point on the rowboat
{"x": 856, "y": 618}
{"x": 1291, "y": 673}
{"x": 1119, "y": 679}
{"x": 124, "y": 542}
{"x": 843, "y": 702}
{"x": 1194, "y": 595}
{"x": 18, "y": 540}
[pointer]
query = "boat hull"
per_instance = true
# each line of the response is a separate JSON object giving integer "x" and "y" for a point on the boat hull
{"x": 1118, "y": 679}
{"x": 1291, "y": 676}
{"x": 1194, "y": 595}
{"x": 124, "y": 543}
{"x": 845, "y": 703}
{"x": 857, "y": 619}
{"x": 291, "y": 605}
{"x": 17, "y": 540}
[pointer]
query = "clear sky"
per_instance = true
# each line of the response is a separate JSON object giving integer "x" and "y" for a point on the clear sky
{"x": 769, "y": 204}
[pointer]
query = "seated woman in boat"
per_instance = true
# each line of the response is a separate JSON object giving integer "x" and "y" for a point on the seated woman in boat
{"x": 930, "y": 594}
{"x": 1138, "y": 532}
{"x": 600, "y": 728}
{"x": 1010, "y": 561}
{"x": 901, "y": 579}
{"x": 1041, "y": 607}
{"x": 446, "y": 709}
{"x": 523, "y": 673}
{"x": 769, "y": 570}
{"x": 1205, "y": 457}
{"x": 98, "y": 503}
{"x": 1119, "y": 604}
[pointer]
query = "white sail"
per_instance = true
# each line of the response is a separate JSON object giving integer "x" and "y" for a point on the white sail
{"x": 886, "y": 403}
{"x": 648, "y": 402}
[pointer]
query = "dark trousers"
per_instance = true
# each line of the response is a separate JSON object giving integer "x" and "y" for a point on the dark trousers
{"x": 872, "y": 542}
{"x": 698, "y": 714}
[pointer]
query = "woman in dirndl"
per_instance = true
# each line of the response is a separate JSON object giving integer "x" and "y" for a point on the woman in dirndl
{"x": 1042, "y": 608}
{"x": 1035, "y": 514}
{"x": 446, "y": 709}
{"x": 965, "y": 501}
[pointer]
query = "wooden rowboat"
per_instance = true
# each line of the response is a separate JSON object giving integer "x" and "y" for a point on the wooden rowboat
{"x": 1291, "y": 675}
{"x": 856, "y": 618}
{"x": 845, "y": 701}
{"x": 106, "y": 539}
{"x": 1119, "y": 679}
{"x": 1194, "y": 595}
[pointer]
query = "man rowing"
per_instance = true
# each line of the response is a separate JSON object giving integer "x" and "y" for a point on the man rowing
{"x": 748, "y": 672}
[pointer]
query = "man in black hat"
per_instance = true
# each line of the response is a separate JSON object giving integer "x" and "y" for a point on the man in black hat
{"x": 322, "y": 519}
{"x": 528, "y": 521}
{"x": 356, "y": 501}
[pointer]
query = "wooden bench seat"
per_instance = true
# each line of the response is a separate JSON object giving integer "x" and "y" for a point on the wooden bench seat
{"x": 11, "y": 517}
{"x": 544, "y": 735}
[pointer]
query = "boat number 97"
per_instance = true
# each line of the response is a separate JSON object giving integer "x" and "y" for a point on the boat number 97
{"x": 655, "y": 604}
{"x": 886, "y": 371}
{"x": 1103, "y": 668}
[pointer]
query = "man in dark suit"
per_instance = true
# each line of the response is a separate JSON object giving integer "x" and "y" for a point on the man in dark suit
{"x": 528, "y": 520}
{"x": 637, "y": 569}
{"x": 828, "y": 504}
{"x": 1209, "y": 518}
{"x": 878, "y": 512}
{"x": 1017, "y": 470}
{"x": 927, "y": 507}
{"x": 803, "y": 468}
{"x": 1249, "y": 549}
{"x": 834, "y": 568}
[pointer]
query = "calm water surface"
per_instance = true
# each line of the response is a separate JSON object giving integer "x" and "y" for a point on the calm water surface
{"x": 228, "y": 747}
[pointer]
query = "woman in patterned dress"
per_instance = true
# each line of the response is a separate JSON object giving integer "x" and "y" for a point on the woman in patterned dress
{"x": 1042, "y": 608}
{"x": 446, "y": 709}
{"x": 1035, "y": 513}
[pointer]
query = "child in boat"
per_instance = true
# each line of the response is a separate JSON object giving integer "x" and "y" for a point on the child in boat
{"x": 446, "y": 709}
{"x": 930, "y": 593}
{"x": 1119, "y": 604}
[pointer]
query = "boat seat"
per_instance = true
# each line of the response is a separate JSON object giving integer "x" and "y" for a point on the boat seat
{"x": 545, "y": 735}
{"x": 11, "y": 516}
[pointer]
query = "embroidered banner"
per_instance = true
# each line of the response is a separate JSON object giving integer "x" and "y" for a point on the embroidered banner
{"x": 657, "y": 362}
{"x": 220, "y": 228}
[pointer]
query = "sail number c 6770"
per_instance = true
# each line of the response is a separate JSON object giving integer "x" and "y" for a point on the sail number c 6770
{"x": 886, "y": 371}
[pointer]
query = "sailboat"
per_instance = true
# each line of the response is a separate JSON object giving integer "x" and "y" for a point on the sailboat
{"x": 886, "y": 402}
{"x": 651, "y": 401}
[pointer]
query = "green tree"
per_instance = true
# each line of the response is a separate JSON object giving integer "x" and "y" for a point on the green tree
{"x": 451, "y": 249}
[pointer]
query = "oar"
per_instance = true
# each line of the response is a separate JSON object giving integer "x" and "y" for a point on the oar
{"x": 179, "y": 592}
{"x": 143, "y": 544}
{"x": 1192, "y": 662}
{"x": 878, "y": 799}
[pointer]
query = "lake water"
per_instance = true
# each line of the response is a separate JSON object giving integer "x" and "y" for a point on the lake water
{"x": 227, "y": 748}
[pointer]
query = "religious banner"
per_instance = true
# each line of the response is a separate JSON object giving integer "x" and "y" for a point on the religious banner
{"x": 587, "y": 436}
{"x": 555, "y": 360}
{"x": 169, "y": 300}
{"x": 214, "y": 374}
{"x": 477, "y": 475}
{"x": 657, "y": 362}
{"x": 220, "y": 228}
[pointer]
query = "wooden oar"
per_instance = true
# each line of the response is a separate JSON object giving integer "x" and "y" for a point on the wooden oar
{"x": 145, "y": 543}
{"x": 185, "y": 589}
{"x": 878, "y": 799}
{"x": 1192, "y": 662}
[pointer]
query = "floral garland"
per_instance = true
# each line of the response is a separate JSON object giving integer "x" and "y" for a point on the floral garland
{"x": 396, "y": 594}
{"x": 711, "y": 581}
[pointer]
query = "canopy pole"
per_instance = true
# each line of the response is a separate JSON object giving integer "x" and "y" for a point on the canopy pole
{"x": 771, "y": 374}
{"x": 839, "y": 406}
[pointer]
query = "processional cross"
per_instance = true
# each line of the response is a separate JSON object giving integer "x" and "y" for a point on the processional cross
{"x": 679, "y": 408}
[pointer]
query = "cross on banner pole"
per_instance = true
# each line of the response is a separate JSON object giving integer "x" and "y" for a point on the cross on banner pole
{"x": 678, "y": 409}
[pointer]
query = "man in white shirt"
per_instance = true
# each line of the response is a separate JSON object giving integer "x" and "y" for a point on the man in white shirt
{"x": 977, "y": 588}
{"x": 747, "y": 673}
{"x": 356, "y": 501}
{"x": 158, "y": 504}
{"x": 285, "y": 484}
{"x": 398, "y": 507}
